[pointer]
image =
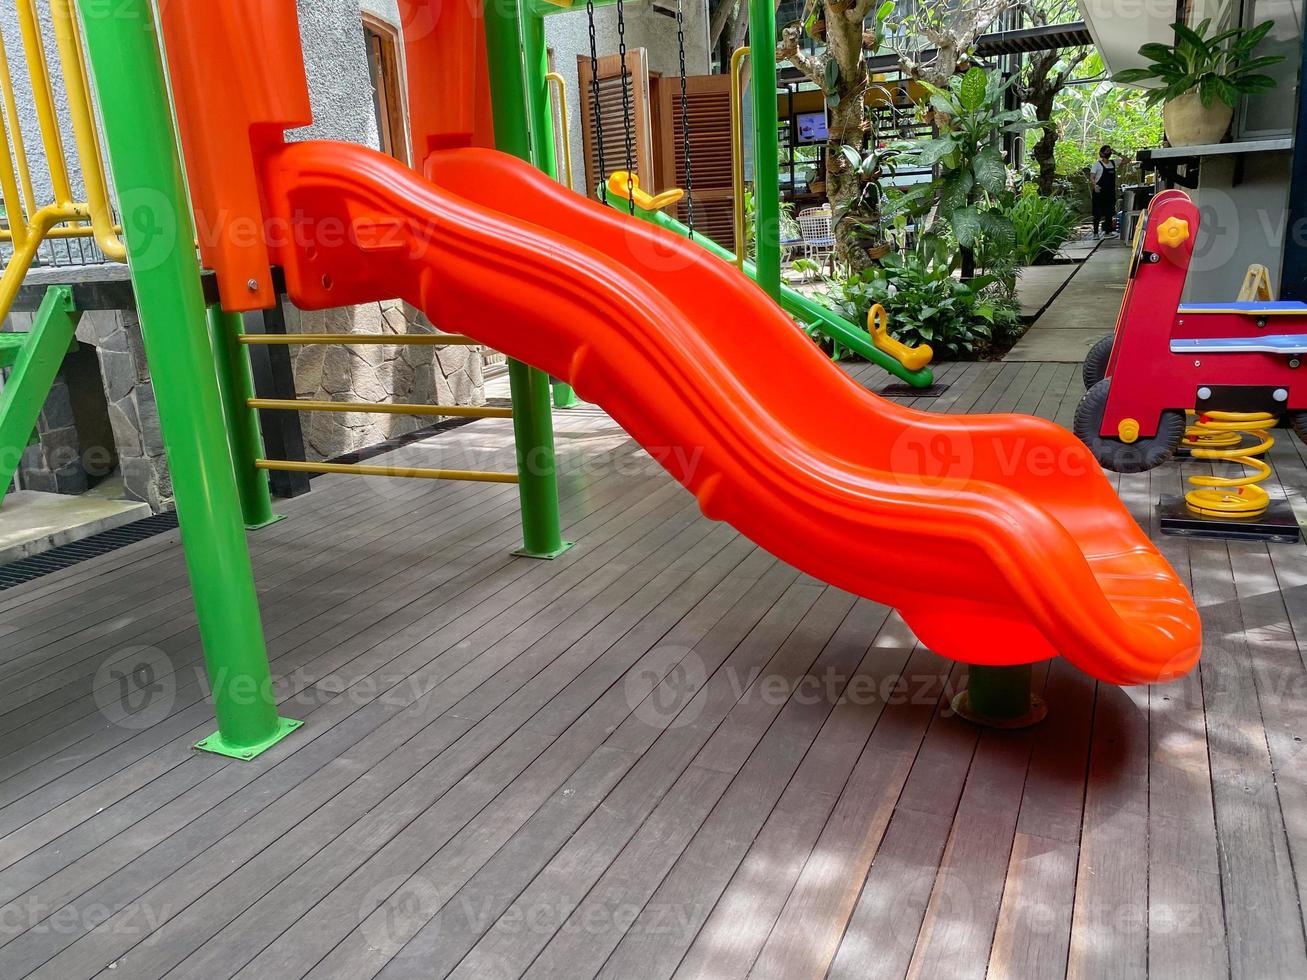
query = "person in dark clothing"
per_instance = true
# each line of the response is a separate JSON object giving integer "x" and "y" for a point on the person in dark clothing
{"x": 1102, "y": 176}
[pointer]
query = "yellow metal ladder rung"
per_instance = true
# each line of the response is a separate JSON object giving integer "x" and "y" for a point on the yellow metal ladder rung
{"x": 405, "y": 472}
{"x": 380, "y": 408}
{"x": 359, "y": 339}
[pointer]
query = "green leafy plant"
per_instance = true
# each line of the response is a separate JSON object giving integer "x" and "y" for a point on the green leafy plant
{"x": 1041, "y": 226}
{"x": 926, "y": 303}
{"x": 1218, "y": 67}
{"x": 972, "y": 172}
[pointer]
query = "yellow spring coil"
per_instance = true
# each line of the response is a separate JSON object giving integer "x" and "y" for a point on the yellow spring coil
{"x": 1222, "y": 436}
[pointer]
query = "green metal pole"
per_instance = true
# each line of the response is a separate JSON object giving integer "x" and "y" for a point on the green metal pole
{"x": 142, "y": 152}
{"x": 533, "y": 422}
{"x": 535, "y": 56}
{"x": 535, "y": 60}
{"x": 766, "y": 162}
{"x": 236, "y": 386}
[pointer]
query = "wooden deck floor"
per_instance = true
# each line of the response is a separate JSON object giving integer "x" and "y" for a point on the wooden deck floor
{"x": 663, "y": 755}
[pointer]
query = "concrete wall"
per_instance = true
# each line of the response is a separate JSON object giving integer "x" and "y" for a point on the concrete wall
{"x": 568, "y": 37}
{"x": 1242, "y": 223}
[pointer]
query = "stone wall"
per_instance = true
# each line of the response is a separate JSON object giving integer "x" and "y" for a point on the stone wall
{"x": 69, "y": 450}
{"x": 419, "y": 375}
{"x": 341, "y": 93}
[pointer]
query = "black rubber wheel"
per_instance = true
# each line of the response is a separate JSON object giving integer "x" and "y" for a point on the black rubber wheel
{"x": 1299, "y": 422}
{"x": 1094, "y": 369}
{"x": 1125, "y": 457}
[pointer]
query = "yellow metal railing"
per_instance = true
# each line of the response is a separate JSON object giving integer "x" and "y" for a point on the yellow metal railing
{"x": 559, "y": 86}
{"x": 29, "y": 222}
{"x": 740, "y": 210}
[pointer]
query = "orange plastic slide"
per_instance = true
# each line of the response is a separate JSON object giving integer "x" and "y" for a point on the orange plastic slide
{"x": 997, "y": 537}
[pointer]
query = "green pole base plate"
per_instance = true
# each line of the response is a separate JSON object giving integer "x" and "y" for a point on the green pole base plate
{"x": 1000, "y": 697}
{"x": 218, "y": 745}
{"x": 962, "y": 708}
{"x": 564, "y": 396}
{"x": 545, "y": 555}
{"x": 275, "y": 519}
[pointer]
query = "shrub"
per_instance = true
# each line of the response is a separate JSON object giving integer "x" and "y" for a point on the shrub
{"x": 1042, "y": 225}
{"x": 926, "y": 304}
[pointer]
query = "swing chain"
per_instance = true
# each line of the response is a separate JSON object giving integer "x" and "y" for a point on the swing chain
{"x": 595, "y": 105}
{"x": 685, "y": 119}
{"x": 627, "y": 121}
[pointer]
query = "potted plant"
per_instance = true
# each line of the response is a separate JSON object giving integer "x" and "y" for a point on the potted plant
{"x": 1202, "y": 78}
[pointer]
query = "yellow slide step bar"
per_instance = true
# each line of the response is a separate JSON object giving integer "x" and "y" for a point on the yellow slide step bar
{"x": 405, "y": 472}
{"x": 379, "y": 408}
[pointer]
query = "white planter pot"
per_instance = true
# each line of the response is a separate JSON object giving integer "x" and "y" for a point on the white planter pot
{"x": 1190, "y": 123}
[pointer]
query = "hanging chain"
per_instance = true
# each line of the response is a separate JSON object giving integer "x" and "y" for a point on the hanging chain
{"x": 685, "y": 120}
{"x": 595, "y": 103}
{"x": 627, "y": 122}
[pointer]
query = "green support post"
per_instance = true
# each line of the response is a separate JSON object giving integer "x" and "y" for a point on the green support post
{"x": 545, "y": 156}
{"x": 36, "y": 359}
{"x": 533, "y": 423}
{"x": 766, "y": 162}
{"x": 236, "y": 386}
{"x": 1000, "y": 697}
{"x": 142, "y": 151}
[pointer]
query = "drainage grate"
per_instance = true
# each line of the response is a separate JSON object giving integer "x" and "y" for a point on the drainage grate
{"x": 27, "y": 569}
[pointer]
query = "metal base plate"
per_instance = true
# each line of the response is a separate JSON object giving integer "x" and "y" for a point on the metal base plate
{"x": 276, "y": 519}
{"x": 546, "y": 555}
{"x": 907, "y": 391}
{"x": 961, "y": 704}
{"x": 216, "y": 744}
{"x": 1278, "y": 524}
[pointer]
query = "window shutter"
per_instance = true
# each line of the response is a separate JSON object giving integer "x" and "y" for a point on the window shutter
{"x": 610, "y": 114}
{"x": 709, "y": 100}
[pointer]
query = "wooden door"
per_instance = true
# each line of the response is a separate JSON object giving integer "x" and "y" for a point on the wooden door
{"x": 611, "y": 118}
{"x": 708, "y": 98}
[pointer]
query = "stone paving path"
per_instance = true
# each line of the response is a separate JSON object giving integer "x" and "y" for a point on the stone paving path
{"x": 1085, "y": 310}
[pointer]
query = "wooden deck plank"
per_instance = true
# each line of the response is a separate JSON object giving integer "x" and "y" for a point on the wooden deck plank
{"x": 670, "y": 680}
{"x": 307, "y": 664}
{"x": 563, "y": 883}
{"x": 302, "y": 884}
{"x": 661, "y": 886}
{"x": 502, "y": 755}
{"x": 1254, "y": 709}
{"x": 732, "y": 883}
{"x": 417, "y": 720}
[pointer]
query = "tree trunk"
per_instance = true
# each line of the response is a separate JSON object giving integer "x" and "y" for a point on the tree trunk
{"x": 1043, "y": 152}
{"x": 847, "y": 119}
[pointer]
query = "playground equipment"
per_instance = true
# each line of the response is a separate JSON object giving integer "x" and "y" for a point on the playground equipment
{"x": 1233, "y": 368}
{"x": 874, "y": 345}
{"x": 623, "y": 191}
{"x": 996, "y": 537}
{"x": 35, "y": 356}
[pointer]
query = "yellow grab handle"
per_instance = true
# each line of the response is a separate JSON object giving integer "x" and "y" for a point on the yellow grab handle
{"x": 912, "y": 358}
{"x": 627, "y": 186}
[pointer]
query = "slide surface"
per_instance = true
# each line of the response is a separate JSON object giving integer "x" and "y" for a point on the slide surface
{"x": 812, "y": 313}
{"x": 997, "y": 537}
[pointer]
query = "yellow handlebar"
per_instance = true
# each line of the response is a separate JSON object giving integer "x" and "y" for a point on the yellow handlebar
{"x": 912, "y": 358}
{"x": 627, "y": 185}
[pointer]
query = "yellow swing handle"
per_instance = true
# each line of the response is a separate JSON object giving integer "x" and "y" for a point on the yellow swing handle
{"x": 625, "y": 186}
{"x": 912, "y": 358}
